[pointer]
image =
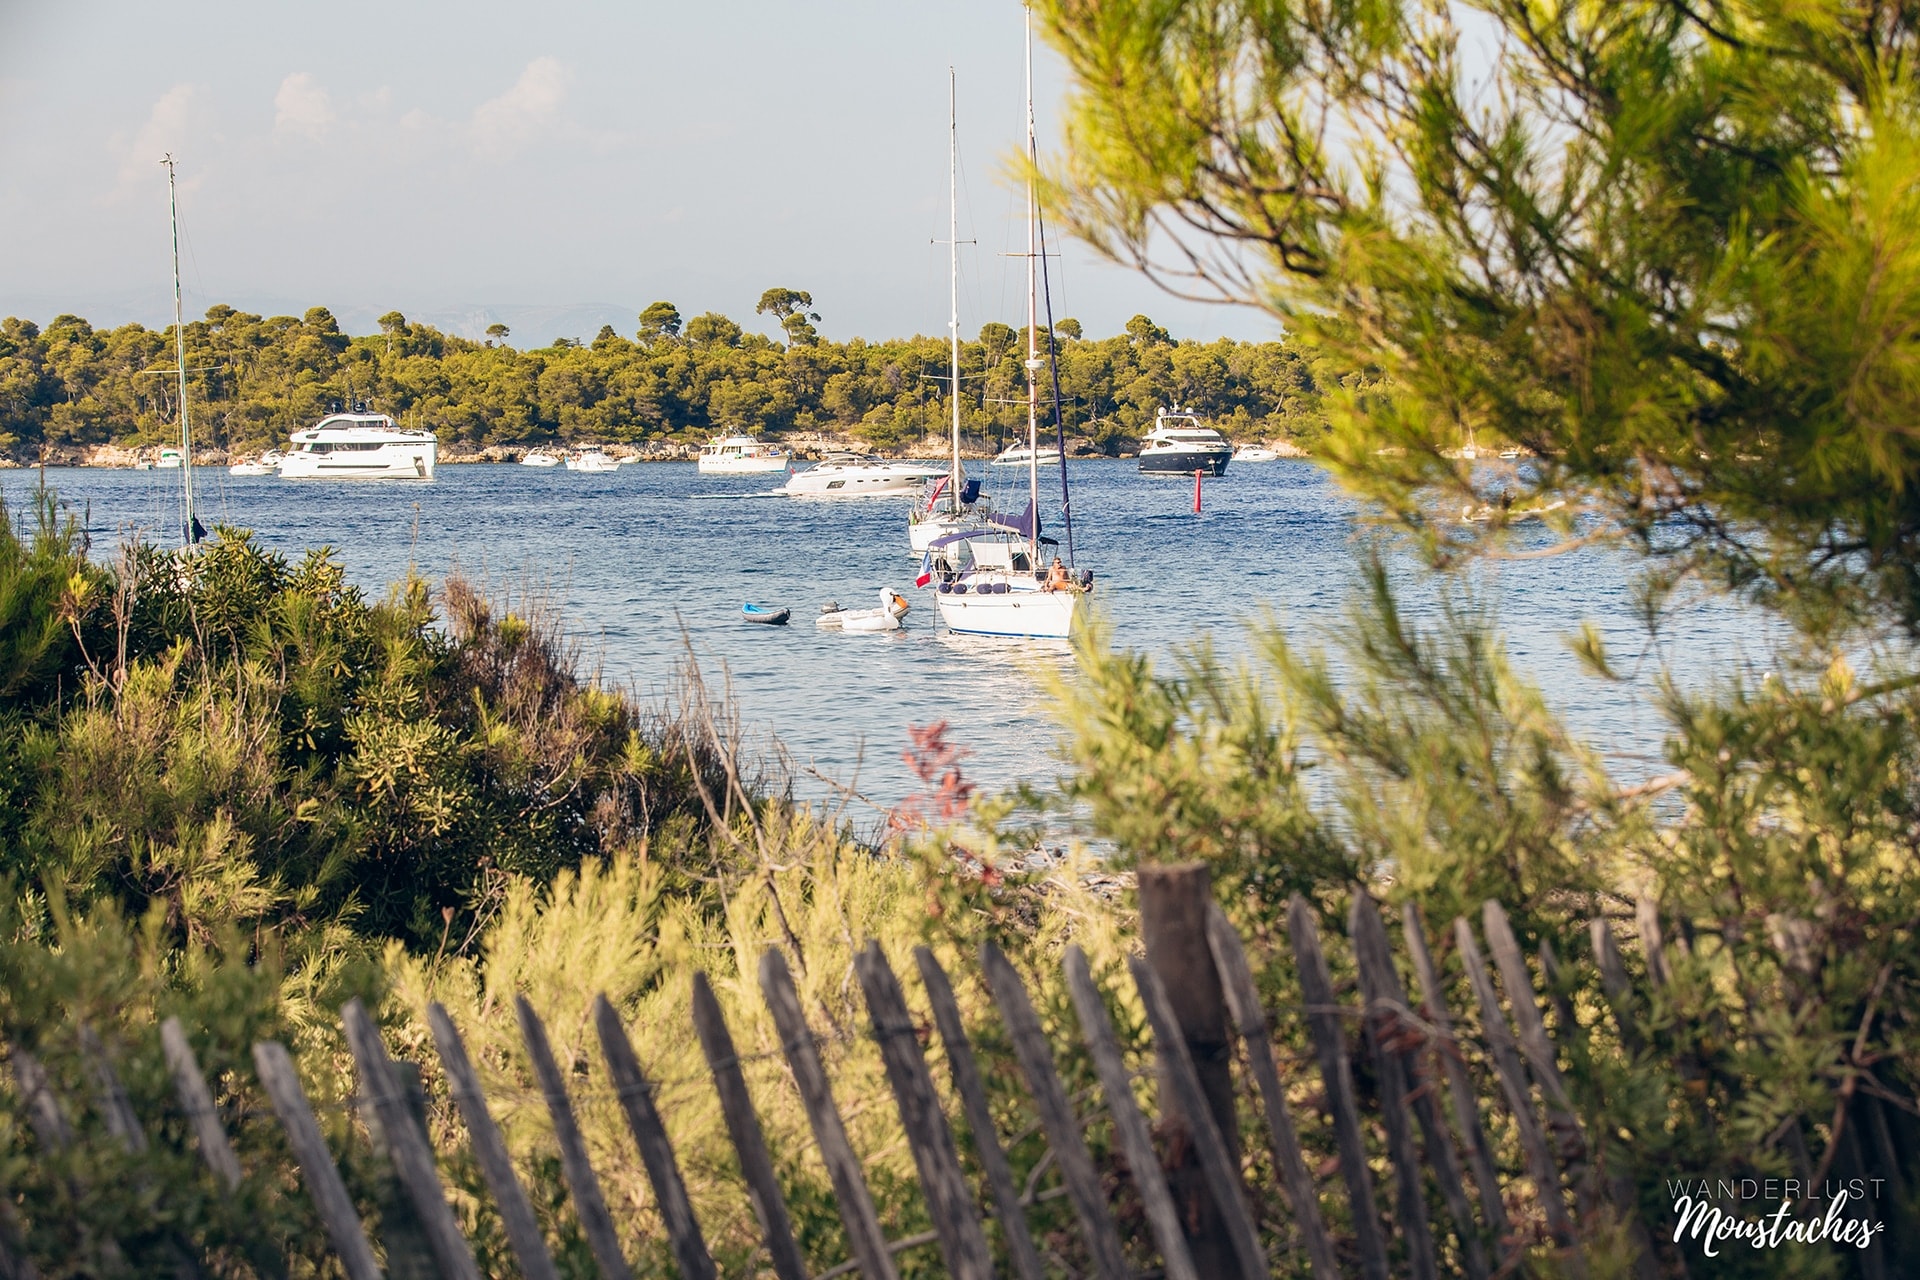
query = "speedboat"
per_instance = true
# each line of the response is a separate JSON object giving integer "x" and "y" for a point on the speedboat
{"x": 169, "y": 460}
{"x": 740, "y": 456}
{"x": 538, "y": 458}
{"x": 848, "y": 475}
{"x": 1018, "y": 455}
{"x": 1255, "y": 453}
{"x": 591, "y": 459}
{"x": 990, "y": 584}
{"x": 267, "y": 464}
{"x": 1179, "y": 446}
{"x": 360, "y": 446}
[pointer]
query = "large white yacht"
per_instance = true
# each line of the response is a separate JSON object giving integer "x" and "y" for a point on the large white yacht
{"x": 847, "y": 475}
{"x": 1179, "y": 446}
{"x": 1018, "y": 455}
{"x": 360, "y": 446}
{"x": 740, "y": 456}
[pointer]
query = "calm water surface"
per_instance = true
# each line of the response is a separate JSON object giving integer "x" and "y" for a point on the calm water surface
{"x": 648, "y": 560}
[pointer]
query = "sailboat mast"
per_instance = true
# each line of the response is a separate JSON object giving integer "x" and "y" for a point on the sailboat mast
{"x": 1033, "y": 323}
{"x": 953, "y": 284}
{"x": 180, "y": 362}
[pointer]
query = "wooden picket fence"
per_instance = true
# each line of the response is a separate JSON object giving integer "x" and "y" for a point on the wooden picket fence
{"x": 1423, "y": 1098}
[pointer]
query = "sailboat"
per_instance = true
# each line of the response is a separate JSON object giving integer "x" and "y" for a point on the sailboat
{"x": 993, "y": 582}
{"x": 952, "y": 504}
{"x": 190, "y": 527}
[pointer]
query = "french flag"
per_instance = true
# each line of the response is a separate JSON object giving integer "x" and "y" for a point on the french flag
{"x": 926, "y": 570}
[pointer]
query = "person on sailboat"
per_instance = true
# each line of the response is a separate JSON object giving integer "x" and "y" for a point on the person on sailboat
{"x": 1057, "y": 579}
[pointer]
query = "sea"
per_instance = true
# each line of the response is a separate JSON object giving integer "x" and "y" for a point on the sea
{"x": 649, "y": 567}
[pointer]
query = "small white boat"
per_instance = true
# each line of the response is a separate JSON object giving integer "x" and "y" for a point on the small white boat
{"x": 360, "y": 446}
{"x": 267, "y": 464}
{"x": 847, "y": 475}
{"x": 538, "y": 458}
{"x": 741, "y": 456}
{"x": 893, "y": 607}
{"x": 1018, "y": 455}
{"x": 591, "y": 460}
{"x": 169, "y": 460}
{"x": 1179, "y": 446}
{"x": 1510, "y": 453}
{"x": 1255, "y": 453}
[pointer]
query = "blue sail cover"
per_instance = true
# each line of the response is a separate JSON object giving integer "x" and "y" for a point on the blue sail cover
{"x": 1027, "y": 525}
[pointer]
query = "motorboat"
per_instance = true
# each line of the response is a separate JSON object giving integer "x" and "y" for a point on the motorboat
{"x": 848, "y": 475}
{"x": 169, "y": 460}
{"x": 767, "y": 617}
{"x": 1019, "y": 455}
{"x": 360, "y": 446}
{"x": 538, "y": 458}
{"x": 1005, "y": 580}
{"x": 893, "y": 607}
{"x": 1255, "y": 453}
{"x": 267, "y": 464}
{"x": 953, "y": 503}
{"x": 1179, "y": 446}
{"x": 741, "y": 456}
{"x": 591, "y": 459}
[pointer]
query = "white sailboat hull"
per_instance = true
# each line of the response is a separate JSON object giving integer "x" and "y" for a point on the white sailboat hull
{"x": 1021, "y": 611}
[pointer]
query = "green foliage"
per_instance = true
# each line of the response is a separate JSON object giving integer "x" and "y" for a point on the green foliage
{"x": 261, "y": 379}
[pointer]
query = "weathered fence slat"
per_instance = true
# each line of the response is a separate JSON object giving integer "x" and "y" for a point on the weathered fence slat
{"x": 196, "y": 1100}
{"x": 973, "y": 1101}
{"x": 1568, "y": 1138}
{"x": 1056, "y": 1114}
{"x": 14, "y": 1262}
{"x": 324, "y": 1187}
{"x": 1330, "y": 1047}
{"x": 1136, "y": 1140}
{"x": 1513, "y": 1084}
{"x": 743, "y": 1126}
{"x": 1613, "y": 980}
{"x": 656, "y": 1152}
{"x": 1466, "y": 1104}
{"x": 43, "y": 1108}
{"x": 1250, "y": 1021}
{"x": 589, "y": 1203}
{"x": 1223, "y": 1175}
{"x": 116, "y": 1108}
{"x": 490, "y": 1150}
{"x": 407, "y": 1145}
{"x": 852, "y": 1198}
{"x": 963, "y": 1244}
{"x": 1396, "y": 1069}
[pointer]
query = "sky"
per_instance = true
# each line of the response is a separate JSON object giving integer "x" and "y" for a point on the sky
{"x": 553, "y": 166}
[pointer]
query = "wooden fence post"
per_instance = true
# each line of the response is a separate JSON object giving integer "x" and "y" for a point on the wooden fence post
{"x": 197, "y": 1101}
{"x": 407, "y": 1144}
{"x": 1336, "y": 1072}
{"x": 854, "y": 1201}
{"x": 963, "y": 1244}
{"x": 656, "y": 1152}
{"x": 1466, "y": 1103}
{"x": 324, "y": 1187}
{"x": 973, "y": 1101}
{"x": 1173, "y": 928}
{"x": 1250, "y": 1020}
{"x": 589, "y": 1203}
{"x": 1136, "y": 1140}
{"x": 1056, "y": 1115}
{"x": 490, "y": 1149}
{"x": 743, "y": 1126}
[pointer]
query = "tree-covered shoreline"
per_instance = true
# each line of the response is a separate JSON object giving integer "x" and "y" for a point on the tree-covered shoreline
{"x": 254, "y": 380}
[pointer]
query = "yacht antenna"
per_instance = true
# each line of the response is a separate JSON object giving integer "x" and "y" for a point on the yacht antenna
{"x": 191, "y": 527}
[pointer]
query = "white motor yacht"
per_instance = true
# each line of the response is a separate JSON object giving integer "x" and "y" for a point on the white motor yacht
{"x": 591, "y": 460}
{"x": 1179, "y": 446}
{"x": 741, "y": 456}
{"x": 1255, "y": 453}
{"x": 169, "y": 460}
{"x": 360, "y": 446}
{"x": 1018, "y": 455}
{"x": 847, "y": 475}
{"x": 538, "y": 458}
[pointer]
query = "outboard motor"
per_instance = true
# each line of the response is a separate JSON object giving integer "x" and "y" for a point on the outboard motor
{"x": 1086, "y": 579}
